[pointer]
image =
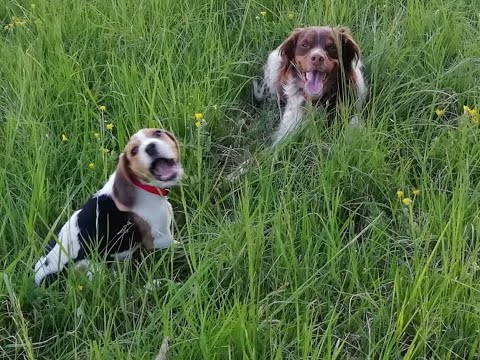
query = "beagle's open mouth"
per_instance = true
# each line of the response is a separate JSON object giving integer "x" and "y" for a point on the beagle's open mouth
{"x": 314, "y": 82}
{"x": 164, "y": 169}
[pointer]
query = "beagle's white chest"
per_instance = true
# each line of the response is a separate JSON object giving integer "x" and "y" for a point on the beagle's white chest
{"x": 157, "y": 212}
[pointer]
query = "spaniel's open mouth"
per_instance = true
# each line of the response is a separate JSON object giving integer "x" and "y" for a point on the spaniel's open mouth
{"x": 164, "y": 169}
{"x": 314, "y": 82}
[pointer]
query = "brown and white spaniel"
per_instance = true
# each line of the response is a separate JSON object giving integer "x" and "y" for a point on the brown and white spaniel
{"x": 131, "y": 210}
{"x": 318, "y": 64}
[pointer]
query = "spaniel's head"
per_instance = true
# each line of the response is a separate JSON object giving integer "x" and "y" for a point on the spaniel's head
{"x": 318, "y": 53}
{"x": 152, "y": 156}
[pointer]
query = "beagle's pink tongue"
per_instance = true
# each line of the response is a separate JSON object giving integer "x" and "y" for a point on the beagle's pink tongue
{"x": 165, "y": 170}
{"x": 314, "y": 83}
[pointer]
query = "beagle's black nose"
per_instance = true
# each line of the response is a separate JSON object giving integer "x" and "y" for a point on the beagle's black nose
{"x": 151, "y": 150}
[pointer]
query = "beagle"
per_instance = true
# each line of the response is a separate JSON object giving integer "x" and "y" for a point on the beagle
{"x": 130, "y": 211}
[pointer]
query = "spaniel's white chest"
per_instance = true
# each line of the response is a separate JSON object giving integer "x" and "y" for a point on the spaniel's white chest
{"x": 157, "y": 212}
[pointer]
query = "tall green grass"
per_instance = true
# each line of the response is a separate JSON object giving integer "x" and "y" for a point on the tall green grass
{"x": 310, "y": 255}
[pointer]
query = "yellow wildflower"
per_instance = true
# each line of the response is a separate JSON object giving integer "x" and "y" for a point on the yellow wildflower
{"x": 97, "y": 135}
{"x": 102, "y": 108}
{"x": 400, "y": 194}
{"x": 110, "y": 126}
{"x": 440, "y": 112}
{"x": 198, "y": 116}
{"x": 474, "y": 120}
{"x": 290, "y": 15}
{"x": 18, "y": 22}
{"x": 466, "y": 109}
{"x": 91, "y": 166}
{"x": 105, "y": 150}
{"x": 32, "y": 6}
{"x": 64, "y": 138}
{"x": 407, "y": 201}
{"x": 415, "y": 191}
{"x": 198, "y": 124}
{"x": 472, "y": 112}
{"x": 80, "y": 287}
{"x": 263, "y": 13}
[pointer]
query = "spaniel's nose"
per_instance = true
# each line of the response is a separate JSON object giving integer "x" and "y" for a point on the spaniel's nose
{"x": 317, "y": 58}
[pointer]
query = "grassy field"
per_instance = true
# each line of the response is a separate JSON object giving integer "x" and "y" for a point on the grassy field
{"x": 311, "y": 255}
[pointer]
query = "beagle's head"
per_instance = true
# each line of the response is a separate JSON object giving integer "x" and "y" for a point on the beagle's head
{"x": 152, "y": 156}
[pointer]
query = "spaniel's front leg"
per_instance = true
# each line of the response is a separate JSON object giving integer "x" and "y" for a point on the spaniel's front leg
{"x": 292, "y": 116}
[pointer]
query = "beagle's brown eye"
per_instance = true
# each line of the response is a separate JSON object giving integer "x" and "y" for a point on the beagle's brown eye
{"x": 134, "y": 151}
{"x": 157, "y": 133}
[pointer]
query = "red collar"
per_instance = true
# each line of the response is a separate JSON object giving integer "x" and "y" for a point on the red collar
{"x": 151, "y": 189}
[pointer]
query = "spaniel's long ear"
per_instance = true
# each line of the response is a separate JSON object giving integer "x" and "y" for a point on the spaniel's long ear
{"x": 350, "y": 49}
{"x": 123, "y": 193}
{"x": 287, "y": 48}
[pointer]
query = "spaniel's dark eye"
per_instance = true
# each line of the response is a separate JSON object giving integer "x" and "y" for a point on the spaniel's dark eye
{"x": 158, "y": 133}
{"x": 134, "y": 151}
{"x": 304, "y": 45}
{"x": 332, "y": 48}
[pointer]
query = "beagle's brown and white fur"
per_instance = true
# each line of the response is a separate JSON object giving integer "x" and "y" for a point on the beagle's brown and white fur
{"x": 130, "y": 211}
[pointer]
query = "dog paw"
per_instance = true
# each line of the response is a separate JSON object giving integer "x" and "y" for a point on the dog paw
{"x": 355, "y": 127}
{"x": 259, "y": 90}
{"x": 356, "y": 123}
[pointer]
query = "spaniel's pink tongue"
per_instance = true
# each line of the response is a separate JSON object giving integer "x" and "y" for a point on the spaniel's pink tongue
{"x": 314, "y": 83}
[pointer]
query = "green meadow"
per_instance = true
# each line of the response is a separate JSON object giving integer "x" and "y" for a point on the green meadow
{"x": 312, "y": 254}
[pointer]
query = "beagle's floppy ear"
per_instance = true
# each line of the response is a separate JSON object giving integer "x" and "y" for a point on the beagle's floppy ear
{"x": 174, "y": 139}
{"x": 123, "y": 192}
